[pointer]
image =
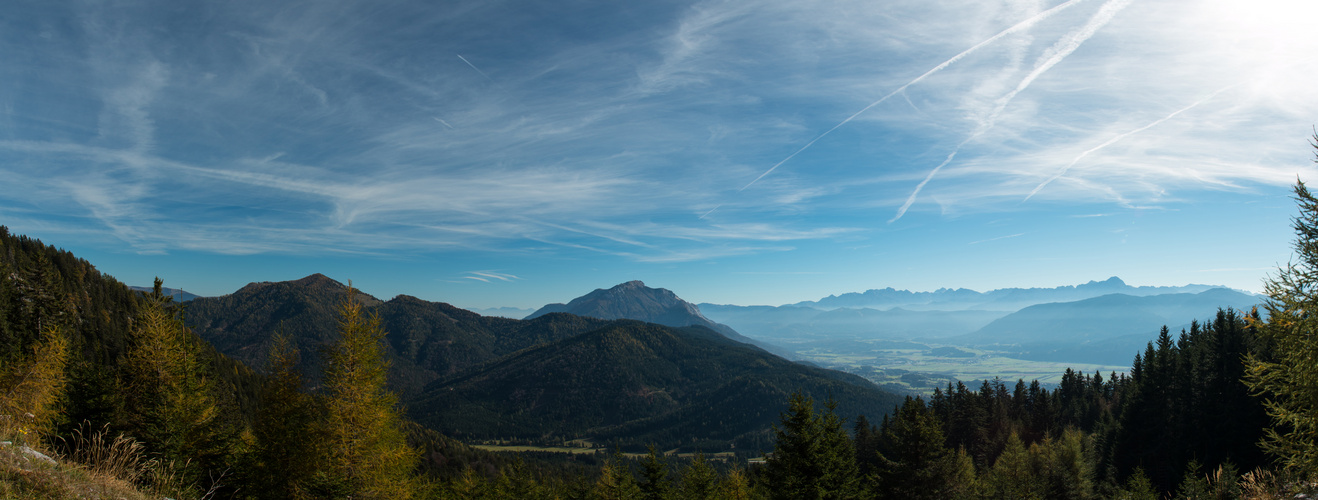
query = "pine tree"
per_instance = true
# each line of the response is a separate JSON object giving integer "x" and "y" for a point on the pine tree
{"x": 1289, "y": 378}
{"x": 368, "y": 453}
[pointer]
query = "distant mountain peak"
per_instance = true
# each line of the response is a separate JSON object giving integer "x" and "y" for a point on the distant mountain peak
{"x": 318, "y": 280}
{"x": 634, "y": 300}
{"x": 1110, "y": 282}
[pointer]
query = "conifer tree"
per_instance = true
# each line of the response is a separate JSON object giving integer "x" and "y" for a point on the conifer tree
{"x": 655, "y": 474}
{"x": 616, "y": 481}
{"x": 8, "y": 337}
{"x": 287, "y": 455}
{"x": 1066, "y": 470}
{"x": 841, "y": 473}
{"x": 735, "y": 486}
{"x": 794, "y": 466}
{"x": 170, "y": 401}
{"x": 699, "y": 480}
{"x": 1012, "y": 475}
{"x": 912, "y": 460}
{"x": 368, "y": 453}
{"x": 813, "y": 456}
{"x": 1289, "y": 379}
{"x": 32, "y": 387}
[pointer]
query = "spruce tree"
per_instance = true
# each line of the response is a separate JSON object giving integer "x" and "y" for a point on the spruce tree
{"x": 655, "y": 474}
{"x": 841, "y": 473}
{"x": 814, "y": 456}
{"x": 287, "y": 455}
{"x": 912, "y": 460}
{"x": 794, "y": 467}
{"x": 1288, "y": 378}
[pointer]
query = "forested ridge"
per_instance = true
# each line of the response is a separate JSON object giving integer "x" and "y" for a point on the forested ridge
{"x": 116, "y": 382}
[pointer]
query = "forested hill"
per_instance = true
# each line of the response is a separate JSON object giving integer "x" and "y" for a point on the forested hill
{"x": 426, "y": 340}
{"x": 638, "y": 383}
{"x": 42, "y": 286}
{"x": 634, "y": 300}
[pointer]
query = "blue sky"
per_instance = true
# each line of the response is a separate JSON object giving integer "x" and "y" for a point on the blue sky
{"x": 491, "y": 153}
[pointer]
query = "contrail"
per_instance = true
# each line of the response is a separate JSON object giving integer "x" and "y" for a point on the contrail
{"x": 911, "y": 199}
{"x": 442, "y": 121}
{"x": 1015, "y": 28}
{"x": 715, "y": 208}
{"x": 1113, "y": 140}
{"x": 473, "y": 66}
{"x": 1055, "y": 54}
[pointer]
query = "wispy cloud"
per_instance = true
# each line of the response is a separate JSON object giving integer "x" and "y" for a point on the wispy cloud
{"x": 1051, "y": 57}
{"x": 997, "y": 238}
{"x": 345, "y": 128}
{"x": 1119, "y": 137}
{"x": 491, "y": 275}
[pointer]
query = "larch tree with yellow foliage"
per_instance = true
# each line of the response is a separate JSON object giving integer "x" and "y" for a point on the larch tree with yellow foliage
{"x": 170, "y": 403}
{"x": 31, "y": 388}
{"x": 368, "y": 452}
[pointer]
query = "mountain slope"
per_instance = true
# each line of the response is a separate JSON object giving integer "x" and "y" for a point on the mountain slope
{"x": 1109, "y": 329}
{"x": 634, "y": 300}
{"x": 636, "y": 383}
{"x": 426, "y": 340}
{"x": 1105, "y": 317}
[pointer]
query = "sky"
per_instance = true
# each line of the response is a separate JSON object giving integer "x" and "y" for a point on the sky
{"x": 492, "y": 153}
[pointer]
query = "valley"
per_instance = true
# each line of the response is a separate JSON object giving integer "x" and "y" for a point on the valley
{"x": 913, "y": 368}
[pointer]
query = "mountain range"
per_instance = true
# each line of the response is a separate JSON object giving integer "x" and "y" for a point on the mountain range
{"x": 1109, "y": 329}
{"x": 1002, "y": 299}
{"x": 1107, "y": 324}
{"x": 555, "y": 374}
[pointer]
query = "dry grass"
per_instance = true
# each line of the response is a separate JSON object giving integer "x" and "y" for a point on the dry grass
{"x": 24, "y": 477}
{"x": 92, "y": 463}
{"x": 1262, "y": 484}
{"x": 123, "y": 458}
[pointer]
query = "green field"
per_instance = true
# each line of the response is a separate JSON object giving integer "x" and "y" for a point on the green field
{"x": 922, "y": 370}
{"x": 524, "y": 448}
{"x": 591, "y": 450}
